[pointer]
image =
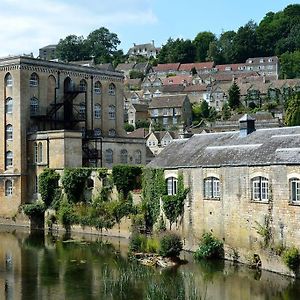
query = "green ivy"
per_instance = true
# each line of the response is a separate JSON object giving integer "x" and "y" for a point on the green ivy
{"x": 173, "y": 205}
{"x": 48, "y": 183}
{"x": 126, "y": 178}
{"x": 34, "y": 209}
{"x": 153, "y": 187}
{"x": 74, "y": 181}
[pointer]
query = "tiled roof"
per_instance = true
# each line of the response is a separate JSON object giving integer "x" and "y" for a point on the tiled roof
{"x": 261, "y": 147}
{"x": 178, "y": 79}
{"x": 172, "y": 88}
{"x": 197, "y": 66}
{"x": 168, "y": 101}
{"x": 125, "y": 67}
{"x": 195, "y": 88}
{"x": 166, "y": 67}
{"x": 138, "y": 133}
{"x": 233, "y": 67}
{"x": 140, "y": 107}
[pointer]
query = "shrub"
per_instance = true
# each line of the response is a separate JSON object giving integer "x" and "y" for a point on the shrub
{"x": 152, "y": 245}
{"x": 34, "y": 209}
{"x": 209, "y": 247}
{"x": 291, "y": 258}
{"x": 137, "y": 243}
{"x": 170, "y": 245}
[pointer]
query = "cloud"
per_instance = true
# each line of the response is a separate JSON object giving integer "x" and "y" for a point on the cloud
{"x": 27, "y": 25}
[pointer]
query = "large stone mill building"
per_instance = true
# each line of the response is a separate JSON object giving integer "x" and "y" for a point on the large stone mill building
{"x": 58, "y": 115}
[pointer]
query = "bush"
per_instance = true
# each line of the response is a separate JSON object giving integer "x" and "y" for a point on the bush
{"x": 34, "y": 209}
{"x": 170, "y": 245}
{"x": 209, "y": 247}
{"x": 152, "y": 245}
{"x": 137, "y": 243}
{"x": 291, "y": 258}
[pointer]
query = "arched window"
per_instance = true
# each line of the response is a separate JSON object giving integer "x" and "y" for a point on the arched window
{"x": 8, "y": 80}
{"x": 82, "y": 110}
{"x": 40, "y": 152}
{"x": 82, "y": 85}
{"x": 97, "y": 87}
{"x": 111, "y": 133}
{"x": 97, "y": 132}
{"x": 9, "y": 132}
{"x": 138, "y": 156}
{"x": 34, "y": 106}
{"x": 295, "y": 190}
{"x": 8, "y": 188}
{"x": 112, "y": 112}
{"x": 124, "y": 156}
{"x": 111, "y": 89}
{"x": 171, "y": 185}
{"x": 8, "y": 159}
{"x": 211, "y": 187}
{"x": 35, "y": 153}
{"x": 97, "y": 111}
{"x": 109, "y": 156}
{"x": 260, "y": 188}
{"x": 34, "y": 80}
{"x": 9, "y": 105}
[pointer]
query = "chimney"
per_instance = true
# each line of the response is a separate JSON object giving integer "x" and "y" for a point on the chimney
{"x": 134, "y": 44}
{"x": 247, "y": 125}
{"x": 153, "y": 43}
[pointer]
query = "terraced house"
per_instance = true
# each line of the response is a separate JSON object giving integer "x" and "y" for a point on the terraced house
{"x": 58, "y": 115}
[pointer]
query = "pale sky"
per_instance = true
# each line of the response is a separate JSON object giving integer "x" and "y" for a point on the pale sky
{"x": 27, "y": 25}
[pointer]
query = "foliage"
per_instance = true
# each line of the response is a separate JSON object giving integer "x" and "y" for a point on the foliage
{"x": 170, "y": 245}
{"x": 126, "y": 178}
{"x": 290, "y": 64}
{"x": 291, "y": 258}
{"x": 201, "y": 111}
{"x": 137, "y": 243}
{"x": 202, "y": 42}
{"x": 161, "y": 225}
{"x": 226, "y": 113}
{"x": 128, "y": 127}
{"x": 66, "y": 214}
{"x": 265, "y": 231}
{"x": 153, "y": 187}
{"x": 135, "y": 74}
{"x": 158, "y": 127}
{"x": 34, "y": 209}
{"x": 234, "y": 96}
{"x": 209, "y": 247}
{"x": 102, "y": 173}
{"x": 292, "y": 117}
{"x": 119, "y": 209}
{"x": 73, "y": 182}
{"x": 142, "y": 124}
{"x": 48, "y": 183}
{"x": 173, "y": 205}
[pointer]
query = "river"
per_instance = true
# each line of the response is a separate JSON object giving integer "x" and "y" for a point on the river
{"x": 90, "y": 267}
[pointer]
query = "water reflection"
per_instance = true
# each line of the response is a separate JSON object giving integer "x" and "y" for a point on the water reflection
{"x": 38, "y": 267}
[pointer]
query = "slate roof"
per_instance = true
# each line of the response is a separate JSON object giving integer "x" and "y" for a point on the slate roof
{"x": 172, "y": 88}
{"x": 261, "y": 147}
{"x": 140, "y": 107}
{"x": 139, "y": 133}
{"x": 125, "y": 66}
{"x": 167, "y": 101}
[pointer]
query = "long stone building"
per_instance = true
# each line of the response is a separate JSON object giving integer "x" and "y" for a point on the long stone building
{"x": 58, "y": 115}
{"x": 240, "y": 183}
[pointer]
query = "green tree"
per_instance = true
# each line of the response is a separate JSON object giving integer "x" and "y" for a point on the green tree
{"x": 134, "y": 74}
{"x": 226, "y": 113}
{"x": 234, "y": 96}
{"x": 290, "y": 65}
{"x": 202, "y": 42}
{"x": 227, "y": 47}
{"x": 128, "y": 127}
{"x": 292, "y": 117}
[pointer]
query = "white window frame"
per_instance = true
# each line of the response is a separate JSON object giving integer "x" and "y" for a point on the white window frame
{"x": 9, "y": 159}
{"x": 295, "y": 190}
{"x": 97, "y": 132}
{"x": 34, "y": 80}
{"x": 97, "y": 87}
{"x": 83, "y": 85}
{"x": 212, "y": 188}
{"x": 112, "y": 112}
{"x": 112, "y": 133}
{"x": 9, "y": 132}
{"x": 112, "y": 90}
{"x": 34, "y": 105}
{"x": 8, "y": 188}
{"x": 97, "y": 111}
{"x": 260, "y": 189}
{"x": 8, "y": 80}
{"x": 9, "y": 105}
{"x": 172, "y": 185}
{"x": 82, "y": 110}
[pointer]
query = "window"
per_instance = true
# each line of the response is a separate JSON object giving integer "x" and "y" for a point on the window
{"x": 36, "y": 185}
{"x": 172, "y": 186}
{"x": 124, "y": 156}
{"x": 97, "y": 87}
{"x": 82, "y": 85}
{"x": 295, "y": 190}
{"x": 35, "y": 153}
{"x": 211, "y": 188}
{"x": 9, "y": 105}
{"x": 111, "y": 133}
{"x": 260, "y": 189}
{"x": 165, "y": 121}
{"x": 34, "y": 106}
{"x": 97, "y": 111}
{"x": 109, "y": 156}
{"x": 8, "y": 159}
{"x": 138, "y": 156}
{"x": 9, "y": 132}
{"x": 8, "y": 80}
{"x": 8, "y": 188}
{"x": 97, "y": 132}
{"x": 40, "y": 152}
{"x": 175, "y": 121}
{"x": 155, "y": 112}
{"x": 112, "y": 112}
{"x": 111, "y": 89}
{"x": 34, "y": 80}
{"x": 82, "y": 110}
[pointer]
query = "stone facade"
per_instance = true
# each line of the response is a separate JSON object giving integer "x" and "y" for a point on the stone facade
{"x": 58, "y": 115}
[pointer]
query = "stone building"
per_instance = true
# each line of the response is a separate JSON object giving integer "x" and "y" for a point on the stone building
{"x": 239, "y": 182}
{"x": 58, "y": 115}
{"x": 48, "y": 52}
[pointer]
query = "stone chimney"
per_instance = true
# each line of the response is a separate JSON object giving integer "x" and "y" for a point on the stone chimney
{"x": 153, "y": 43}
{"x": 247, "y": 125}
{"x": 134, "y": 44}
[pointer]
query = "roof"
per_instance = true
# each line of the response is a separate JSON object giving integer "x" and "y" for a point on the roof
{"x": 166, "y": 67}
{"x": 168, "y": 101}
{"x": 178, "y": 79}
{"x": 139, "y": 133}
{"x": 142, "y": 67}
{"x": 197, "y": 66}
{"x": 140, "y": 107}
{"x": 195, "y": 88}
{"x": 49, "y": 47}
{"x": 173, "y": 88}
{"x": 229, "y": 67}
{"x": 262, "y": 147}
{"x": 125, "y": 67}
{"x": 107, "y": 67}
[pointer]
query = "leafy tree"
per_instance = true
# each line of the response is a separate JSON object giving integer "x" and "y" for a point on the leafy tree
{"x": 226, "y": 113}
{"x": 214, "y": 53}
{"x": 290, "y": 65}
{"x": 234, "y": 96}
{"x": 128, "y": 127}
{"x": 227, "y": 47}
{"x": 142, "y": 124}
{"x": 292, "y": 117}
{"x": 202, "y": 42}
{"x": 134, "y": 74}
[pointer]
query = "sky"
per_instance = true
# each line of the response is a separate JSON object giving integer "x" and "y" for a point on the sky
{"x": 27, "y": 25}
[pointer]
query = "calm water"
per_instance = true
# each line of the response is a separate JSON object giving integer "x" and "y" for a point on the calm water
{"x": 37, "y": 267}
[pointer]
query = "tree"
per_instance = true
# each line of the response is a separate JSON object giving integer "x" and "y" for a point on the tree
{"x": 201, "y": 43}
{"x": 226, "y": 114}
{"x": 290, "y": 65}
{"x": 292, "y": 117}
{"x": 128, "y": 127}
{"x": 134, "y": 74}
{"x": 226, "y": 46}
{"x": 234, "y": 96}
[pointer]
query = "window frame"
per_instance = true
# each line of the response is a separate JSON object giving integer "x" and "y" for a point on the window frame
{"x": 294, "y": 190}
{"x": 9, "y": 157}
{"x": 8, "y": 80}
{"x": 34, "y": 80}
{"x": 172, "y": 185}
{"x": 109, "y": 156}
{"x": 8, "y": 188}
{"x": 111, "y": 112}
{"x": 260, "y": 189}
{"x": 124, "y": 156}
{"x": 9, "y": 132}
{"x": 34, "y": 106}
{"x": 112, "y": 90}
{"x": 97, "y": 87}
{"x": 97, "y": 111}
{"x": 9, "y": 105}
{"x": 211, "y": 188}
